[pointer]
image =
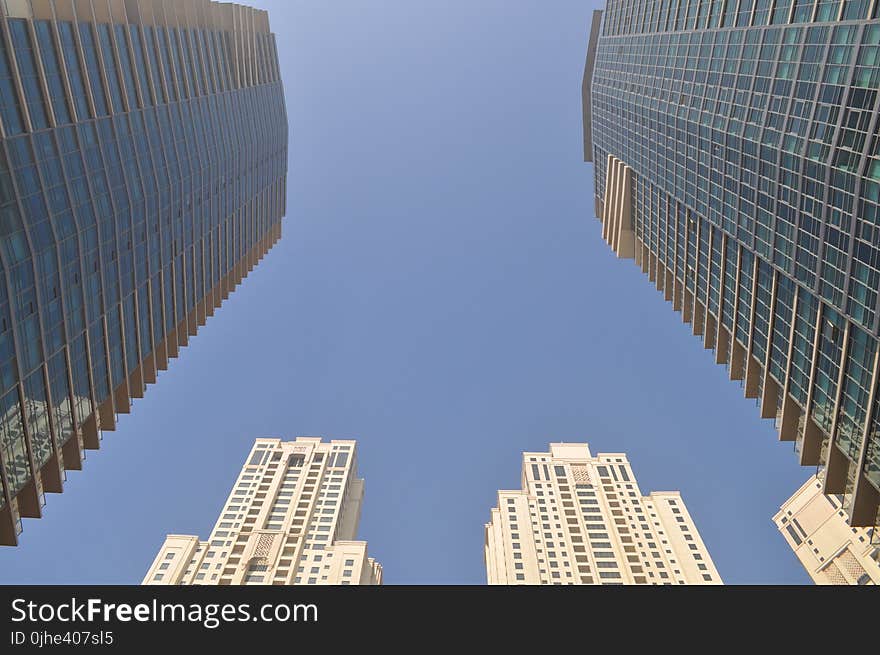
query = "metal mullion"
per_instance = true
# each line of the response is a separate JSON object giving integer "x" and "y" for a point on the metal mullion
{"x": 183, "y": 73}
{"x": 127, "y": 373}
{"x": 250, "y": 38}
{"x": 209, "y": 60}
{"x": 16, "y": 326}
{"x": 811, "y": 384}
{"x": 773, "y": 77}
{"x": 752, "y": 238}
{"x": 62, "y": 71}
{"x": 750, "y": 334}
{"x": 212, "y": 171}
{"x": 102, "y": 68}
{"x": 838, "y": 392}
{"x": 154, "y": 77}
{"x": 722, "y": 270}
{"x": 814, "y": 288}
{"x": 15, "y": 71}
{"x": 81, "y": 264}
{"x": 120, "y": 74}
{"x": 158, "y": 274}
{"x": 174, "y": 82}
{"x": 117, "y": 266}
{"x": 101, "y": 277}
{"x": 790, "y": 102}
{"x": 141, "y": 93}
{"x": 83, "y": 69}
{"x": 132, "y": 63}
{"x": 820, "y": 261}
{"x": 169, "y": 267}
{"x": 183, "y": 249}
{"x": 860, "y": 176}
{"x": 866, "y": 432}
{"x": 792, "y": 331}
{"x": 54, "y": 430}
{"x": 768, "y": 351}
{"x": 143, "y": 171}
{"x": 197, "y": 55}
{"x": 737, "y": 283}
{"x": 160, "y": 57}
{"x": 41, "y": 74}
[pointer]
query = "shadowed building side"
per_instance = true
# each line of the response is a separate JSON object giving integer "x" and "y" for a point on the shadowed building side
{"x": 736, "y": 150}
{"x": 143, "y": 157}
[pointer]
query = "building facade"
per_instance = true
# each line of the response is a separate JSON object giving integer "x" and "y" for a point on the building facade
{"x": 143, "y": 156}
{"x": 291, "y": 518}
{"x": 832, "y": 552}
{"x": 580, "y": 519}
{"x": 736, "y": 150}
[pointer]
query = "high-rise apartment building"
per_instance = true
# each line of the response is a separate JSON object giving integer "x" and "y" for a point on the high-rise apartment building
{"x": 580, "y": 519}
{"x": 737, "y": 161}
{"x": 291, "y": 518}
{"x": 832, "y": 552}
{"x": 143, "y": 155}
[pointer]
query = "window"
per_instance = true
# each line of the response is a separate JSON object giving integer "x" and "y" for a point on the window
{"x": 794, "y": 535}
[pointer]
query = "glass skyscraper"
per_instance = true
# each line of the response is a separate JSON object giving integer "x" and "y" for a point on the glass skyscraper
{"x": 737, "y": 161}
{"x": 143, "y": 154}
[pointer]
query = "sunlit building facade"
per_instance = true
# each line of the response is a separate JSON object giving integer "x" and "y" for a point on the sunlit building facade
{"x": 832, "y": 552}
{"x": 736, "y": 150}
{"x": 291, "y": 519}
{"x": 580, "y": 519}
{"x": 143, "y": 150}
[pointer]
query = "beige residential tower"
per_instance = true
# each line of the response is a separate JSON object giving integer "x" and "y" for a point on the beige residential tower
{"x": 580, "y": 519}
{"x": 291, "y": 518}
{"x": 832, "y": 552}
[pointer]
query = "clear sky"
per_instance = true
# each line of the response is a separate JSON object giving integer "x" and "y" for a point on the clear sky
{"x": 442, "y": 294}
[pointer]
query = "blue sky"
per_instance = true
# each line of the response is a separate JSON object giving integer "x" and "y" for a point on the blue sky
{"x": 442, "y": 294}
